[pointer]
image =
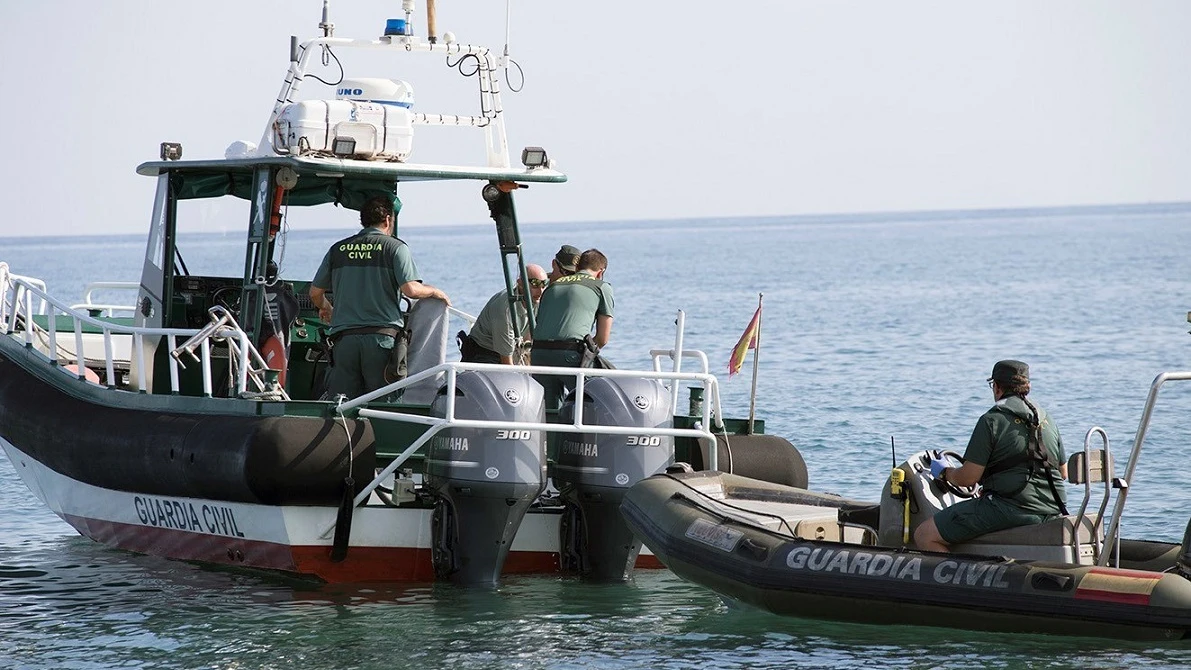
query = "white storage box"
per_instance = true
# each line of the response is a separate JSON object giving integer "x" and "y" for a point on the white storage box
{"x": 381, "y": 131}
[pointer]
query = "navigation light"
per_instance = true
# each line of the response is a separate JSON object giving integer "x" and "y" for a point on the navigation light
{"x": 533, "y": 157}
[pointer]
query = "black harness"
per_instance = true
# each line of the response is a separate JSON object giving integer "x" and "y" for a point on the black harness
{"x": 1036, "y": 455}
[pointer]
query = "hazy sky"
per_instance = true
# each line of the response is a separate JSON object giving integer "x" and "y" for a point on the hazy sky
{"x": 654, "y": 109}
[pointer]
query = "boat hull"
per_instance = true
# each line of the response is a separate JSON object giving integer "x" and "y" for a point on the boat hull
{"x": 387, "y": 544}
{"x": 793, "y": 576}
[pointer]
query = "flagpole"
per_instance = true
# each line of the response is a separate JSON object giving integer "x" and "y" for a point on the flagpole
{"x": 756, "y": 357}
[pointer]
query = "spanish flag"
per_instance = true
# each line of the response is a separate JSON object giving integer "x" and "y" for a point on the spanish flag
{"x": 747, "y": 341}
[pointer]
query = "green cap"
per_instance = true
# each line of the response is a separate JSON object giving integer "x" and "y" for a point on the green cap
{"x": 568, "y": 257}
{"x": 1010, "y": 372}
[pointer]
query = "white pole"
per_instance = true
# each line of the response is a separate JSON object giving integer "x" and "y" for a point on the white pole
{"x": 756, "y": 358}
{"x": 676, "y": 385}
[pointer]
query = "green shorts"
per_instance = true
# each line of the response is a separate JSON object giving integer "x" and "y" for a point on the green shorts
{"x": 977, "y": 516}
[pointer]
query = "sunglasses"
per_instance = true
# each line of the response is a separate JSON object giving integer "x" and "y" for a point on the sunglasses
{"x": 539, "y": 283}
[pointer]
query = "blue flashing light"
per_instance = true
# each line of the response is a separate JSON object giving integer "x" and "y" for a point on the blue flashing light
{"x": 395, "y": 27}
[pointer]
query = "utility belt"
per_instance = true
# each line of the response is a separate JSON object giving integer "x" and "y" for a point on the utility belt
{"x": 470, "y": 350}
{"x": 562, "y": 345}
{"x": 397, "y": 367}
{"x": 391, "y": 331}
{"x": 589, "y": 352}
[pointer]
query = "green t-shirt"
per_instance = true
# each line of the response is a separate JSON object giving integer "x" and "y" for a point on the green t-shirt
{"x": 570, "y": 305}
{"x": 364, "y": 274}
{"x": 1002, "y": 434}
{"x": 493, "y": 330}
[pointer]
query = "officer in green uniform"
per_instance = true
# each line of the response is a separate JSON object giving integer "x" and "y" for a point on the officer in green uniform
{"x": 366, "y": 274}
{"x": 491, "y": 339}
{"x": 1016, "y": 454}
{"x": 570, "y": 307}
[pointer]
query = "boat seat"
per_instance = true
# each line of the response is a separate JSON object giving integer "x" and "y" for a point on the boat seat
{"x": 1074, "y": 538}
{"x": 1060, "y": 530}
{"x": 1065, "y": 539}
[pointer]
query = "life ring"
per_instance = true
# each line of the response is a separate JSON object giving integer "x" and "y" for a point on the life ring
{"x": 273, "y": 351}
{"x": 88, "y": 373}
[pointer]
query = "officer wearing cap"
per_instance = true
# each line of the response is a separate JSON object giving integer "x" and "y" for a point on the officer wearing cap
{"x": 1015, "y": 454}
{"x": 564, "y": 263}
{"x": 570, "y": 308}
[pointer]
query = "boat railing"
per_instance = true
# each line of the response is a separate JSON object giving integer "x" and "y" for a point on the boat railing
{"x": 1112, "y": 536}
{"x": 450, "y": 371}
{"x": 106, "y": 309}
{"x": 18, "y": 295}
{"x": 23, "y": 282}
{"x": 1094, "y": 466}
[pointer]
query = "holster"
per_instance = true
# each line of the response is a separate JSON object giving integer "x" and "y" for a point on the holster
{"x": 589, "y": 354}
{"x": 398, "y": 366}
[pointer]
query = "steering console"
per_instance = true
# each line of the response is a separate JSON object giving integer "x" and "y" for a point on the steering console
{"x": 953, "y": 460}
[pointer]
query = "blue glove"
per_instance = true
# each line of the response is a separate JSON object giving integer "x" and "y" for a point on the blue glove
{"x": 937, "y": 465}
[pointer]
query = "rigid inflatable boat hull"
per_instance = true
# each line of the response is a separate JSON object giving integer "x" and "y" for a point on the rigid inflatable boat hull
{"x": 870, "y": 584}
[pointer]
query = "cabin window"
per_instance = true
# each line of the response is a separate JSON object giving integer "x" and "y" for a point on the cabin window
{"x": 211, "y": 234}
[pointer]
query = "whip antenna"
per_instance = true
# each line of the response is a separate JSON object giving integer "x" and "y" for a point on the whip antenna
{"x": 325, "y": 25}
{"x": 893, "y": 451}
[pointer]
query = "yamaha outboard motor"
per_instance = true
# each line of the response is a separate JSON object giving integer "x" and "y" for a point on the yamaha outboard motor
{"x": 593, "y": 471}
{"x": 484, "y": 478}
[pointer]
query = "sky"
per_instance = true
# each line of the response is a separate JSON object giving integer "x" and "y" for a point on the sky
{"x": 655, "y": 110}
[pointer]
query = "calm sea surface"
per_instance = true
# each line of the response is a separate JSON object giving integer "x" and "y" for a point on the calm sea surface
{"x": 874, "y": 327}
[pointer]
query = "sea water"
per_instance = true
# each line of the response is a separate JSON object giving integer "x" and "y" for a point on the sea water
{"x": 875, "y": 328}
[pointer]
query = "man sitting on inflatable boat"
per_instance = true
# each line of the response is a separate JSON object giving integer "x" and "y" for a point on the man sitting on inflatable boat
{"x": 1015, "y": 454}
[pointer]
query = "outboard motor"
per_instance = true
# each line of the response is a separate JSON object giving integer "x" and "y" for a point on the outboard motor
{"x": 484, "y": 479}
{"x": 593, "y": 471}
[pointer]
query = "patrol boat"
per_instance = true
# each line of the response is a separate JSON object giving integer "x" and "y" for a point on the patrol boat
{"x": 188, "y": 422}
{"x": 796, "y": 552}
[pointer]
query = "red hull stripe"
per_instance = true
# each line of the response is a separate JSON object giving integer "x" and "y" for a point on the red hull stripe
{"x": 363, "y": 564}
{"x": 1113, "y": 596}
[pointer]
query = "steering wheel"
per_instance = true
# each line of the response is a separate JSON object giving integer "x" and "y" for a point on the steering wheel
{"x": 954, "y": 460}
{"x": 227, "y": 297}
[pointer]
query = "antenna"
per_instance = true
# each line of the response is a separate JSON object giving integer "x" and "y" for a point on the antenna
{"x": 408, "y": 7}
{"x": 508, "y": 31}
{"x": 327, "y": 27}
{"x": 893, "y": 451}
{"x": 431, "y": 22}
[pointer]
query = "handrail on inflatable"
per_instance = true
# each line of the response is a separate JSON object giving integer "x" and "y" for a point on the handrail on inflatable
{"x": 1118, "y": 509}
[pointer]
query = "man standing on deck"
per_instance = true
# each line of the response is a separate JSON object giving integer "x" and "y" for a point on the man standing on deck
{"x": 492, "y": 339}
{"x": 1016, "y": 454}
{"x": 367, "y": 274}
{"x": 564, "y": 262}
{"x": 570, "y": 307}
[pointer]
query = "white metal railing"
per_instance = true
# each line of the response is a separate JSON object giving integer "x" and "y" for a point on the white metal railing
{"x": 18, "y": 294}
{"x": 467, "y": 318}
{"x": 1104, "y": 463}
{"x": 451, "y": 371}
{"x": 1118, "y": 509}
{"x": 26, "y": 281}
{"x": 109, "y": 308}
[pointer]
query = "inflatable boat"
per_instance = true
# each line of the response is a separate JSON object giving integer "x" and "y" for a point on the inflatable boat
{"x": 800, "y": 553}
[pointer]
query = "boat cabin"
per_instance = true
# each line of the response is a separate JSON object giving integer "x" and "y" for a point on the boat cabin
{"x": 261, "y": 303}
